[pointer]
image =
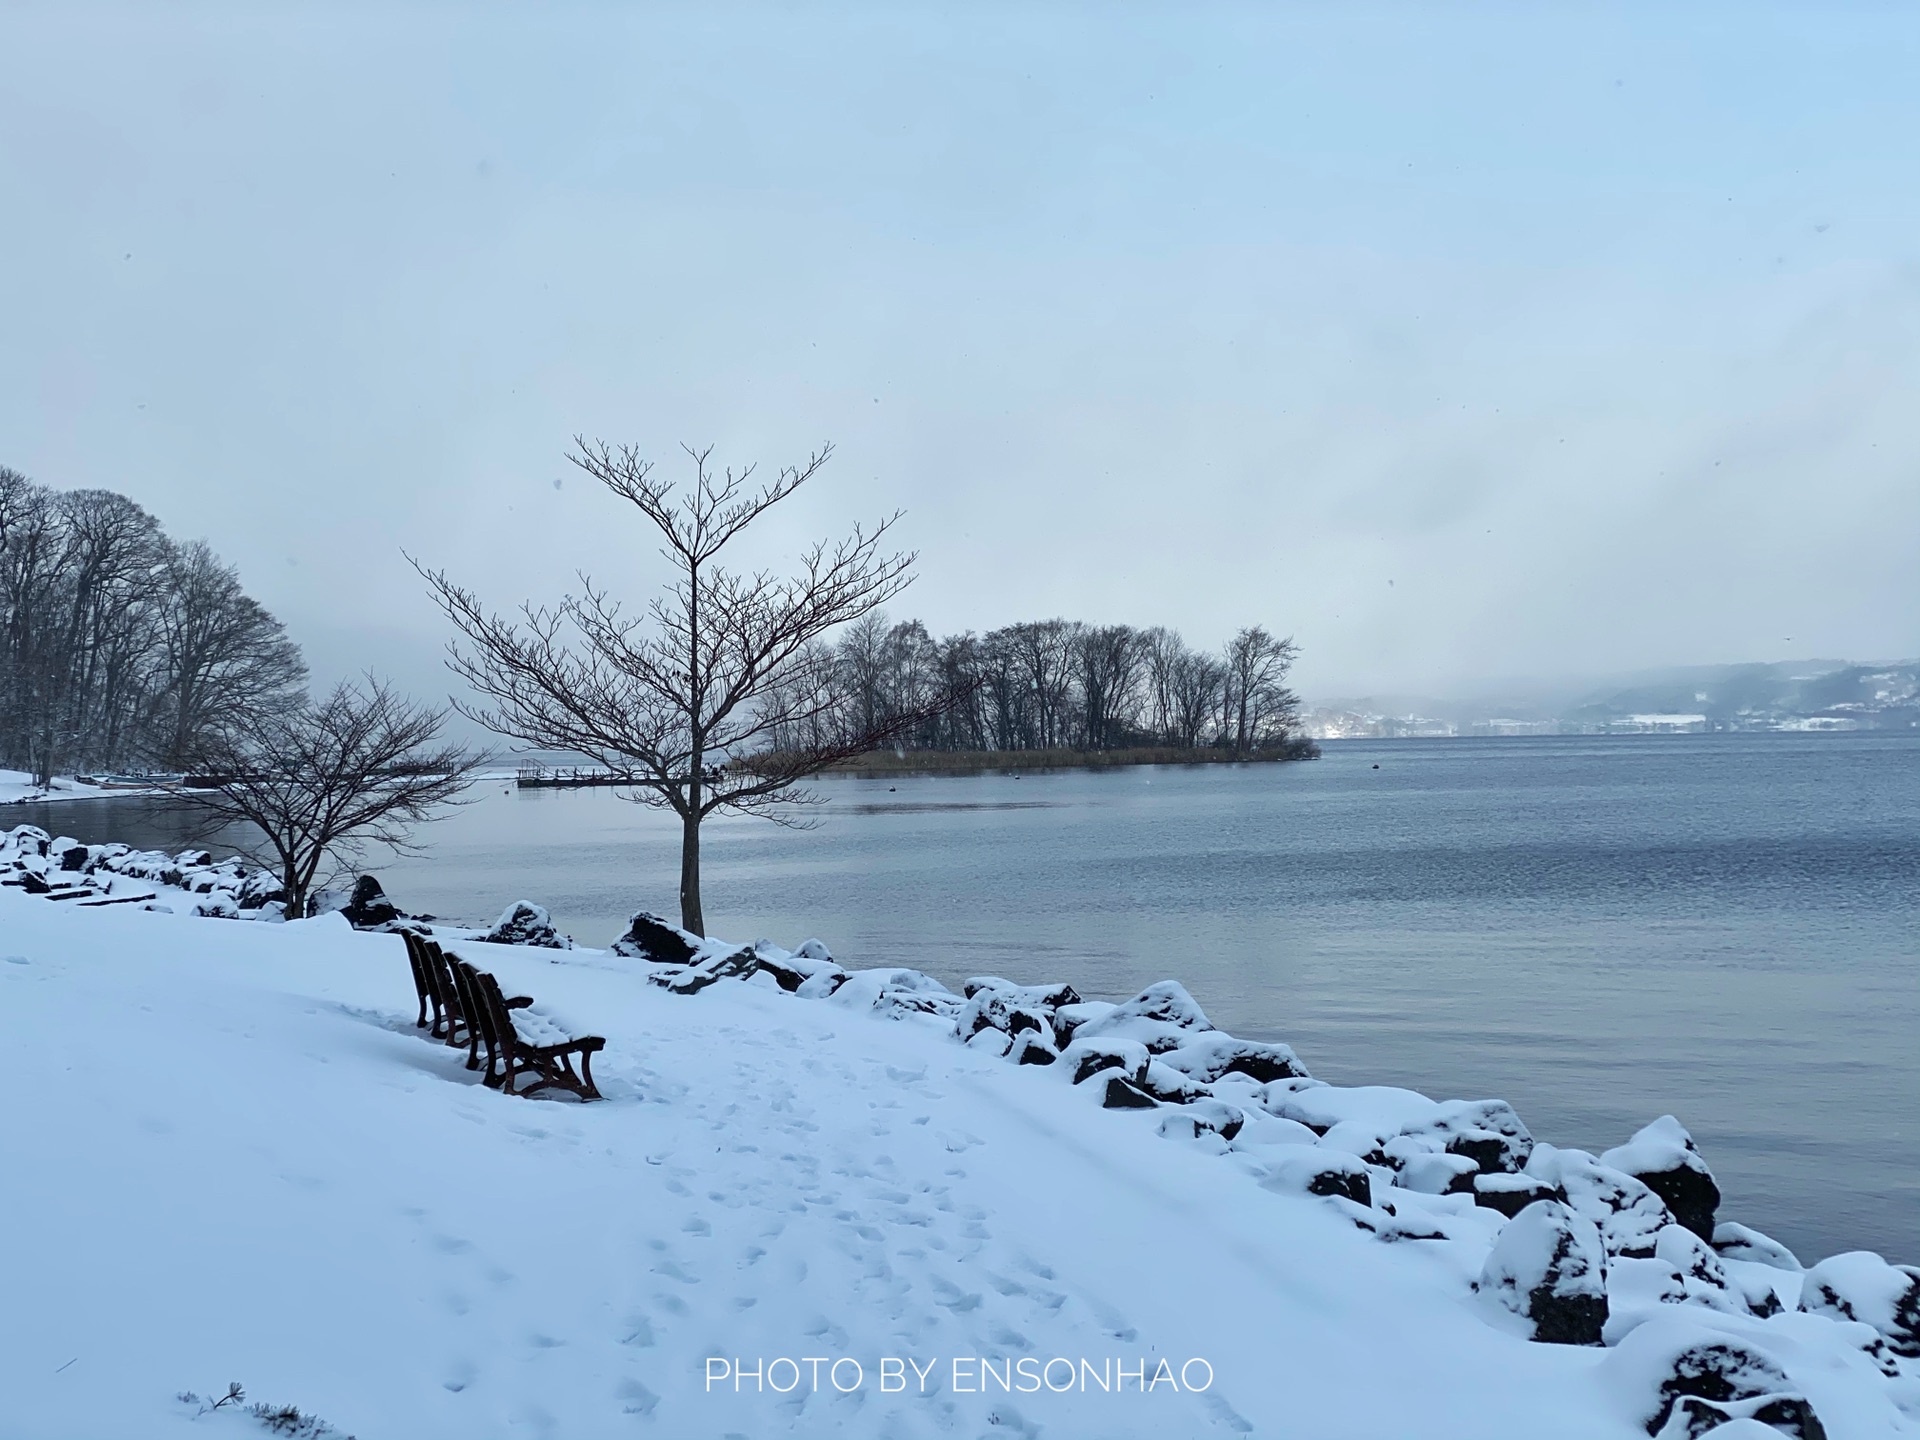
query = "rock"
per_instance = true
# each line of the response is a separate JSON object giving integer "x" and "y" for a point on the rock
{"x": 1032, "y": 1048}
{"x": 784, "y": 976}
{"x": 259, "y": 889}
{"x": 1086, "y": 1058}
{"x": 899, "y": 995}
{"x": 1215, "y": 1116}
{"x": 990, "y": 1041}
{"x": 1166, "y": 1084}
{"x": 1682, "y": 1271}
{"x": 1548, "y": 1267}
{"x": 1162, "y": 1017}
{"x": 1308, "y": 1170}
{"x": 1629, "y": 1214}
{"x": 1206, "y": 1057}
{"x": 1069, "y": 1018}
{"x": 524, "y": 923}
{"x": 1002, "y": 1010}
{"x": 74, "y": 858}
{"x": 1170, "y": 1002}
{"x": 794, "y": 971}
{"x": 1662, "y": 1157}
{"x": 1487, "y": 1132}
{"x": 368, "y": 908}
{"x": 651, "y": 938}
{"x": 29, "y": 840}
{"x": 1122, "y": 1094}
{"x": 1437, "y": 1175}
{"x": 1685, "y": 1383}
{"x": 1038, "y": 997}
{"x": 823, "y": 982}
{"x": 691, "y": 979}
{"x": 1737, "y": 1242}
{"x": 1860, "y": 1285}
{"x": 1510, "y": 1194}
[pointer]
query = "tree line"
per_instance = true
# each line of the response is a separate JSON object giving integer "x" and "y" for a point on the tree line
{"x": 119, "y": 646}
{"x": 1052, "y": 685}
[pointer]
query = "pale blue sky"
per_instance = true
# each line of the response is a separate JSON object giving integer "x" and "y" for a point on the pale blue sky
{"x": 1458, "y": 341}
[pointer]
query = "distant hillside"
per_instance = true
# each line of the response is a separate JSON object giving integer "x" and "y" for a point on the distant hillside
{"x": 1790, "y": 695}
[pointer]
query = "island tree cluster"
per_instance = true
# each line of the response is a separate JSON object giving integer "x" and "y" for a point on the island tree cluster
{"x": 120, "y": 647}
{"x": 1054, "y": 685}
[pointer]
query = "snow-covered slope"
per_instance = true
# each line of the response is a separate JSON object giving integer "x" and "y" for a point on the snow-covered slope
{"x": 228, "y": 1155}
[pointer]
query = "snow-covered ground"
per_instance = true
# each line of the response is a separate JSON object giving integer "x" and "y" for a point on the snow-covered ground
{"x": 229, "y": 1155}
{"x": 18, "y": 787}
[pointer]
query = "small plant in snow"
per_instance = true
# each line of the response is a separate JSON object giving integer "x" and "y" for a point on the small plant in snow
{"x": 233, "y": 1396}
{"x": 286, "y": 1420}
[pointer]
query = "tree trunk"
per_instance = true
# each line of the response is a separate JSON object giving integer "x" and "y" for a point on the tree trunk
{"x": 690, "y": 917}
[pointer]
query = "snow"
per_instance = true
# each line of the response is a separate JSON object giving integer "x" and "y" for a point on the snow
{"x": 230, "y": 1155}
{"x": 17, "y": 787}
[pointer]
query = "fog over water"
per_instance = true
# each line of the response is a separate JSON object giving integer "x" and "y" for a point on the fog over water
{"x": 1598, "y": 930}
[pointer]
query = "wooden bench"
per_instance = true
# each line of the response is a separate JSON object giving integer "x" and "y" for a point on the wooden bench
{"x": 468, "y": 1008}
{"x": 550, "y": 1065}
{"x": 441, "y": 989}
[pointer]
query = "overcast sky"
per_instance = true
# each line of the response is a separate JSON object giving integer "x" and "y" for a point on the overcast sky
{"x": 1459, "y": 342}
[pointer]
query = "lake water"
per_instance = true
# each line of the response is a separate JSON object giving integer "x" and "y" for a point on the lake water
{"x": 1598, "y": 930}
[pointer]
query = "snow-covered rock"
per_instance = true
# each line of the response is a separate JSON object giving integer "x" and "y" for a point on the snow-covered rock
{"x": 1308, "y": 1170}
{"x": 650, "y": 937}
{"x": 1163, "y": 1017}
{"x": 1083, "y": 1059}
{"x": 524, "y": 923}
{"x": 1680, "y": 1382}
{"x": 1860, "y": 1285}
{"x": 1208, "y": 1056}
{"x": 365, "y": 906}
{"x": 1738, "y": 1242}
{"x": 899, "y": 995}
{"x": 1630, "y": 1215}
{"x": 1510, "y": 1194}
{"x": 1548, "y": 1268}
{"x": 1663, "y": 1157}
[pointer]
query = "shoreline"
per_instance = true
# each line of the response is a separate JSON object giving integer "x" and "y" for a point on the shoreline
{"x": 1022, "y": 762}
{"x": 1303, "y": 1214}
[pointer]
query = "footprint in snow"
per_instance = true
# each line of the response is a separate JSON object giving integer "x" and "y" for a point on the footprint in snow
{"x": 635, "y": 1398}
{"x": 1225, "y": 1414}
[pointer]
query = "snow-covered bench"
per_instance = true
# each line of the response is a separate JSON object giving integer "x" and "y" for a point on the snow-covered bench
{"x": 445, "y": 990}
{"x": 469, "y": 1009}
{"x": 546, "y": 1054}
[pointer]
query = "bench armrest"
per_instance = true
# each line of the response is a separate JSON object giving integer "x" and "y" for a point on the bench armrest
{"x": 519, "y": 1002}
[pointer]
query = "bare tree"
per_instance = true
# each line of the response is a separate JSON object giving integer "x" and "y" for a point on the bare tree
{"x": 116, "y": 645}
{"x": 1197, "y": 683}
{"x": 222, "y": 656}
{"x": 1106, "y": 662}
{"x": 321, "y": 782}
{"x": 1256, "y": 705}
{"x": 718, "y": 666}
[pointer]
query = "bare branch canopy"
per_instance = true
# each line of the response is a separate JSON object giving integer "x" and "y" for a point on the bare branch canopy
{"x": 707, "y": 673}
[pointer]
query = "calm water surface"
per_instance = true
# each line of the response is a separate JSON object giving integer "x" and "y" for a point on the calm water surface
{"x": 1599, "y": 930}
